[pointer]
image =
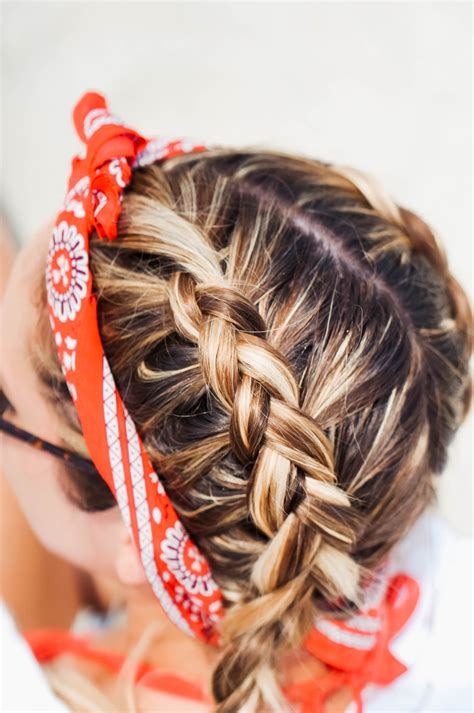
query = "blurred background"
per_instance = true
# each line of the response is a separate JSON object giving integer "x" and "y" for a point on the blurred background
{"x": 385, "y": 87}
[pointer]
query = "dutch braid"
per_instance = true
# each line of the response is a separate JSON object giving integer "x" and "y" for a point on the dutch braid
{"x": 294, "y": 352}
{"x": 291, "y": 454}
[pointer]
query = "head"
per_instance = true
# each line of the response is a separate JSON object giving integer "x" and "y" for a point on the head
{"x": 281, "y": 333}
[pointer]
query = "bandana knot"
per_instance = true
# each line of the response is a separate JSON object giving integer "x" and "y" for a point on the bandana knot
{"x": 110, "y": 149}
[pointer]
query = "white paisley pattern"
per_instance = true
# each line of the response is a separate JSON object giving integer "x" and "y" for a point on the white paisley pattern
{"x": 352, "y": 639}
{"x": 67, "y": 271}
{"x": 73, "y": 203}
{"x": 185, "y": 561}
{"x": 97, "y": 118}
{"x": 159, "y": 148}
{"x": 366, "y": 625}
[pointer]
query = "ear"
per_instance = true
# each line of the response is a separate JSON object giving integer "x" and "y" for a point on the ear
{"x": 128, "y": 565}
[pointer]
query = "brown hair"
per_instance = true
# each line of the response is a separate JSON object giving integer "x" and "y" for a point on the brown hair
{"x": 294, "y": 352}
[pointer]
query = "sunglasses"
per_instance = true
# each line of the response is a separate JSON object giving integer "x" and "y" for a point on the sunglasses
{"x": 71, "y": 458}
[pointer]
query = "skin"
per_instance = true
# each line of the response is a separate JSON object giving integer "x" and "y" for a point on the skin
{"x": 98, "y": 543}
{"x": 25, "y": 561}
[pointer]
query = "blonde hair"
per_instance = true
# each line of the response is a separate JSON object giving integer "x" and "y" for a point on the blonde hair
{"x": 84, "y": 696}
{"x": 294, "y": 352}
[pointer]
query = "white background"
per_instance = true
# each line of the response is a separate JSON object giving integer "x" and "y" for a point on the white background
{"x": 385, "y": 87}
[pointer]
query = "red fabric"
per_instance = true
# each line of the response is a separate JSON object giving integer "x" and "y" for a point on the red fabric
{"x": 354, "y": 667}
{"x": 377, "y": 666}
{"x": 49, "y": 643}
{"x": 178, "y": 572}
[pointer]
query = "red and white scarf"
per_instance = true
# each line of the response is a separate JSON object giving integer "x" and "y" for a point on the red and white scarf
{"x": 178, "y": 573}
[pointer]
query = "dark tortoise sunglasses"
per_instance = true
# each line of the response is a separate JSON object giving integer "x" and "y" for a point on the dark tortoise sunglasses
{"x": 73, "y": 459}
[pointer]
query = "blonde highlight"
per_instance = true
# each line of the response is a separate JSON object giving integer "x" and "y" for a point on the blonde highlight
{"x": 294, "y": 352}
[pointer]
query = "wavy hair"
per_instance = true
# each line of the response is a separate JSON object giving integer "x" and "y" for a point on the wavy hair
{"x": 294, "y": 352}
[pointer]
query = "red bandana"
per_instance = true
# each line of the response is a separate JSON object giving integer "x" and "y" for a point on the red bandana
{"x": 176, "y": 570}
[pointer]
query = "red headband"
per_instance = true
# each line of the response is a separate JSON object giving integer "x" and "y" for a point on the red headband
{"x": 176, "y": 570}
{"x": 178, "y": 573}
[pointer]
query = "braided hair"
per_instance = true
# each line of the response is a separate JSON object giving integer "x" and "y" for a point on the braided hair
{"x": 294, "y": 352}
